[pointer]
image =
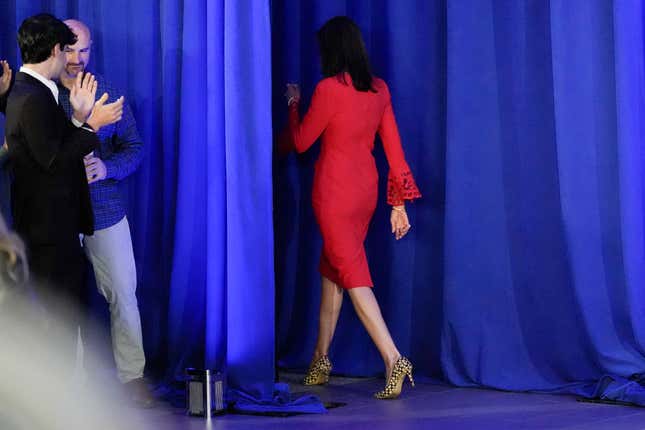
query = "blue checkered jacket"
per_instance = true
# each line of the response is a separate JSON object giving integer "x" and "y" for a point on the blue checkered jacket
{"x": 121, "y": 150}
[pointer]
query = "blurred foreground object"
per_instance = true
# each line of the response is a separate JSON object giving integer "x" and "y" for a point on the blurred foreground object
{"x": 36, "y": 388}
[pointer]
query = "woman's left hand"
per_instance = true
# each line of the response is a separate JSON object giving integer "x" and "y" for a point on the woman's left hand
{"x": 292, "y": 94}
{"x": 400, "y": 223}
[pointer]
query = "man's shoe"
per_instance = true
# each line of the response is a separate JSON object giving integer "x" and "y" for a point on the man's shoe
{"x": 139, "y": 393}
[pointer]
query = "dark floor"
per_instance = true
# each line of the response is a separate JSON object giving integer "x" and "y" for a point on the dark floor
{"x": 427, "y": 406}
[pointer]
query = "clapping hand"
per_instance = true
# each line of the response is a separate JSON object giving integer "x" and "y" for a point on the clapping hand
{"x": 105, "y": 114}
{"x": 5, "y": 79}
{"x": 83, "y": 95}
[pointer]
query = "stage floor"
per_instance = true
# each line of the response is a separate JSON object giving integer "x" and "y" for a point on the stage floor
{"x": 427, "y": 406}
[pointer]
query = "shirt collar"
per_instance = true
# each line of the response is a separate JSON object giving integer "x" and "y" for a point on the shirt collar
{"x": 47, "y": 82}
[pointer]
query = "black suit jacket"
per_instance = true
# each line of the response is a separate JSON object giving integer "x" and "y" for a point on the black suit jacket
{"x": 49, "y": 194}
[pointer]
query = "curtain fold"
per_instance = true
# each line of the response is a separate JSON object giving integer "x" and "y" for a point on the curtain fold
{"x": 544, "y": 239}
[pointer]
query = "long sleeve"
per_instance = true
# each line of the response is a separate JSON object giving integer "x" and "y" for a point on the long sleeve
{"x": 49, "y": 149}
{"x": 128, "y": 151}
{"x": 303, "y": 134}
{"x": 400, "y": 183}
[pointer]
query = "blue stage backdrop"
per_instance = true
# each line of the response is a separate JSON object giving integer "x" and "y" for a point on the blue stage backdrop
{"x": 523, "y": 123}
{"x": 544, "y": 244}
{"x": 197, "y": 74}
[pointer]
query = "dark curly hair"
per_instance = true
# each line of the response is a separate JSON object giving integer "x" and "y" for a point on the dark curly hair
{"x": 342, "y": 50}
{"x": 38, "y": 35}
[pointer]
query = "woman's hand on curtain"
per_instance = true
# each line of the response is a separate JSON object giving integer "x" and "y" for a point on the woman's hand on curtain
{"x": 400, "y": 223}
{"x": 292, "y": 94}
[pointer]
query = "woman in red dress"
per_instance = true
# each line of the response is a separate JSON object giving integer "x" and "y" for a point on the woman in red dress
{"x": 348, "y": 108}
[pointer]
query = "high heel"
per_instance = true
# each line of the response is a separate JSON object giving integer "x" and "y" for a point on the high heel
{"x": 402, "y": 368}
{"x": 319, "y": 371}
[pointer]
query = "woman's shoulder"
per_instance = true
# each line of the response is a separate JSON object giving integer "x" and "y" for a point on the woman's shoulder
{"x": 332, "y": 82}
{"x": 380, "y": 85}
{"x": 339, "y": 82}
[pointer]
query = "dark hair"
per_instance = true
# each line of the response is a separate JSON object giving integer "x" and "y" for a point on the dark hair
{"x": 38, "y": 35}
{"x": 342, "y": 50}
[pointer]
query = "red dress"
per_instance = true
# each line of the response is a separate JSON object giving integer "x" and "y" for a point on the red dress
{"x": 345, "y": 186}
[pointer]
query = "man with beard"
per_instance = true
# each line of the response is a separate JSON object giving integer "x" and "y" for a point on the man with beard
{"x": 109, "y": 249}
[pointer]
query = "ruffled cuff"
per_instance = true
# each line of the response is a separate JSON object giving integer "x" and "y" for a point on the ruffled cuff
{"x": 401, "y": 187}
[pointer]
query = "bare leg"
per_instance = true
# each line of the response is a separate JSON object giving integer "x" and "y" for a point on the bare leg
{"x": 330, "y": 303}
{"x": 369, "y": 313}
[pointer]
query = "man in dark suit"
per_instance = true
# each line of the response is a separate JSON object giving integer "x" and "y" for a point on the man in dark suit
{"x": 49, "y": 194}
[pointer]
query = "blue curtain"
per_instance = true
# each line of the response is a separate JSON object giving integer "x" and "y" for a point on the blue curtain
{"x": 523, "y": 124}
{"x": 544, "y": 246}
{"x": 197, "y": 74}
